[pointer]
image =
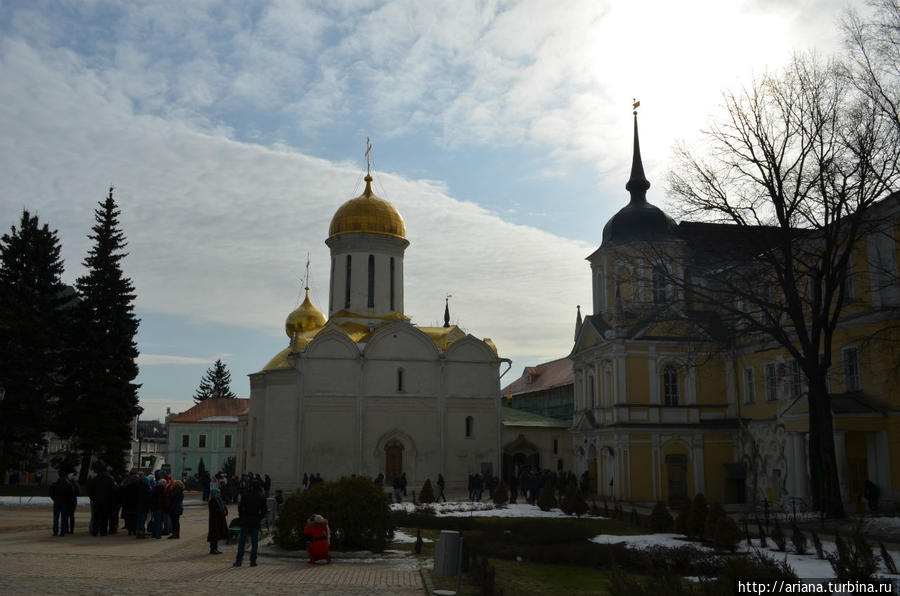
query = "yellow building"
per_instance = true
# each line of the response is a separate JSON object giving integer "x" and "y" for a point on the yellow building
{"x": 662, "y": 412}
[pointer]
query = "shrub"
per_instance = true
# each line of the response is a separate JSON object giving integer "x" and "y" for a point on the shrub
{"x": 357, "y": 511}
{"x": 778, "y": 537}
{"x": 682, "y": 517}
{"x": 660, "y": 518}
{"x": 853, "y": 560}
{"x": 762, "y": 534}
{"x": 726, "y": 534}
{"x": 888, "y": 560}
{"x": 547, "y": 500}
{"x": 427, "y": 493}
{"x": 753, "y": 567}
{"x": 798, "y": 539}
{"x": 817, "y": 544}
{"x": 715, "y": 513}
{"x": 697, "y": 516}
{"x": 573, "y": 501}
{"x": 501, "y": 494}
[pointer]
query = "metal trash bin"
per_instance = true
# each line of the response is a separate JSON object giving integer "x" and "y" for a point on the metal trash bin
{"x": 446, "y": 554}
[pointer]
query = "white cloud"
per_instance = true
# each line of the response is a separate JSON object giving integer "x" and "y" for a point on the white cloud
{"x": 145, "y": 359}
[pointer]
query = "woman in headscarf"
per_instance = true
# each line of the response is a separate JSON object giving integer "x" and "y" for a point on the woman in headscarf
{"x": 318, "y": 537}
{"x": 218, "y": 525}
{"x": 176, "y": 508}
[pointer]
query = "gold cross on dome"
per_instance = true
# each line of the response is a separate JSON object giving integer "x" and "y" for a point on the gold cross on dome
{"x": 368, "y": 151}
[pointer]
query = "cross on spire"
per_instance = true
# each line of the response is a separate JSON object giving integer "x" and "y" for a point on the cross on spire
{"x": 307, "y": 273}
{"x": 368, "y": 151}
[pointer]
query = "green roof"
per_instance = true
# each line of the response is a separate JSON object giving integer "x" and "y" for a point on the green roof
{"x": 514, "y": 417}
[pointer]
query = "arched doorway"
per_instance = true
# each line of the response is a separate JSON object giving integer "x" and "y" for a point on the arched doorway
{"x": 393, "y": 459}
{"x": 519, "y": 456}
{"x": 676, "y": 468}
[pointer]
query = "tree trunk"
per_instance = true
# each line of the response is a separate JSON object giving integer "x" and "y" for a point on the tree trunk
{"x": 85, "y": 467}
{"x": 824, "y": 484}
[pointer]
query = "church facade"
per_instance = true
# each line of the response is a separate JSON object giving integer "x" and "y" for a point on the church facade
{"x": 364, "y": 391}
{"x": 663, "y": 412}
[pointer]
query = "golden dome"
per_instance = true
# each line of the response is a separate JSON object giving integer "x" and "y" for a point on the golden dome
{"x": 305, "y": 318}
{"x": 367, "y": 213}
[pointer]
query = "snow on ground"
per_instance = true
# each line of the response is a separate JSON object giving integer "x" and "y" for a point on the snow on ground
{"x": 404, "y": 538}
{"x": 35, "y": 501}
{"x": 477, "y": 509}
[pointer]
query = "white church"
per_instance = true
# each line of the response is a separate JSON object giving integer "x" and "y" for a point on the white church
{"x": 364, "y": 391}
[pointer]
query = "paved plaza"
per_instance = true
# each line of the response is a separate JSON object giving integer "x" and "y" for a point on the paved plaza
{"x": 33, "y": 561}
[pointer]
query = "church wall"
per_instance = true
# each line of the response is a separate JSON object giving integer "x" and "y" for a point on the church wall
{"x": 322, "y": 375}
{"x": 383, "y": 377}
{"x": 415, "y": 422}
{"x": 641, "y": 463}
{"x": 465, "y": 455}
{"x": 472, "y": 379}
{"x": 359, "y": 247}
{"x": 330, "y": 436}
{"x": 636, "y": 367}
{"x": 276, "y": 421}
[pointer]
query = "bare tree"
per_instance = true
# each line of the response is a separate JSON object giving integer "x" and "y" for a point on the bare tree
{"x": 792, "y": 167}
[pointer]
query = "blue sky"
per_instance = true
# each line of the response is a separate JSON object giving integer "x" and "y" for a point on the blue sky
{"x": 232, "y": 131}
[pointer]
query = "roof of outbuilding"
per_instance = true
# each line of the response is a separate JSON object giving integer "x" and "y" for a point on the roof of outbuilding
{"x": 515, "y": 417}
{"x": 213, "y": 410}
{"x": 548, "y": 375}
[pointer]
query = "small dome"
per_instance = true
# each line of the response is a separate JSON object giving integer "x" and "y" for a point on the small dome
{"x": 367, "y": 213}
{"x": 638, "y": 221}
{"x": 305, "y": 318}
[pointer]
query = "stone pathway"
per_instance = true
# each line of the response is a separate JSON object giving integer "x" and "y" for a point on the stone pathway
{"x": 32, "y": 561}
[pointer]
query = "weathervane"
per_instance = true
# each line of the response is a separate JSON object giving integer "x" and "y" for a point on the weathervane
{"x": 635, "y": 105}
{"x": 368, "y": 151}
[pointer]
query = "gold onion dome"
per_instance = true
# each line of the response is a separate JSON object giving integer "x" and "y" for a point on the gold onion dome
{"x": 367, "y": 213}
{"x": 305, "y": 318}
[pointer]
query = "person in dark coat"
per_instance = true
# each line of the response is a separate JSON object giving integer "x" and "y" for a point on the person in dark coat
{"x": 218, "y": 521}
{"x": 73, "y": 504}
{"x": 267, "y": 485}
{"x": 103, "y": 495}
{"x": 513, "y": 488}
{"x": 130, "y": 494}
{"x": 440, "y": 485}
{"x": 176, "y": 508}
{"x": 250, "y": 513}
{"x": 61, "y": 495}
{"x": 143, "y": 507}
{"x": 205, "y": 481}
{"x": 159, "y": 507}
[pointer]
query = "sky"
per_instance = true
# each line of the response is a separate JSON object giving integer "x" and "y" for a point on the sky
{"x": 232, "y": 132}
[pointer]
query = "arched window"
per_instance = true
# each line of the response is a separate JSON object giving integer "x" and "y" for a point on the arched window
{"x": 347, "y": 285}
{"x": 470, "y": 426}
{"x": 392, "y": 285}
{"x": 399, "y": 380}
{"x": 659, "y": 284}
{"x": 371, "y": 280}
{"x": 670, "y": 385}
{"x": 592, "y": 391}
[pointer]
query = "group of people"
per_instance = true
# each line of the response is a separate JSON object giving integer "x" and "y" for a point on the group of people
{"x": 529, "y": 481}
{"x": 232, "y": 487}
{"x": 310, "y": 480}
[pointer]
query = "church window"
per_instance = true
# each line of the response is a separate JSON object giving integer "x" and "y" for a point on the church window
{"x": 850, "y": 356}
{"x": 659, "y": 284}
{"x": 399, "y": 380}
{"x": 555, "y": 446}
{"x": 392, "y": 285}
{"x": 470, "y": 426}
{"x": 227, "y": 441}
{"x": 371, "y": 280}
{"x": 670, "y": 385}
{"x": 794, "y": 378}
{"x": 771, "y": 382}
{"x": 347, "y": 285}
{"x": 185, "y": 440}
{"x": 202, "y": 443}
{"x": 331, "y": 292}
{"x": 749, "y": 387}
{"x": 590, "y": 401}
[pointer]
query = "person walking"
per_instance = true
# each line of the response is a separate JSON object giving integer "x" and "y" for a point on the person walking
{"x": 73, "y": 503}
{"x": 218, "y": 524}
{"x": 251, "y": 510}
{"x": 440, "y": 484}
{"x": 61, "y": 495}
{"x": 176, "y": 508}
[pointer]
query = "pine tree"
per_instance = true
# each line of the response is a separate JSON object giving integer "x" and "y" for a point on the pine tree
{"x": 104, "y": 401}
{"x": 215, "y": 383}
{"x": 32, "y": 305}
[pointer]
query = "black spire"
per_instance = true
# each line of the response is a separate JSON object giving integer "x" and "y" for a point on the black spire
{"x": 447, "y": 311}
{"x": 637, "y": 184}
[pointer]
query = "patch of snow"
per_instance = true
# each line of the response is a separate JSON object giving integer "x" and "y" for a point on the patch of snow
{"x": 478, "y": 509}
{"x": 404, "y": 538}
{"x": 36, "y": 501}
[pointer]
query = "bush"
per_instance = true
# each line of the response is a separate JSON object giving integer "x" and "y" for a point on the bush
{"x": 501, "y": 494}
{"x": 357, "y": 511}
{"x": 778, "y": 537}
{"x": 573, "y": 501}
{"x": 715, "y": 513}
{"x": 660, "y": 518}
{"x": 697, "y": 517}
{"x": 798, "y": 538}
{"x": 817, "y": 544}
{"x": 546, "y": 500}
{"x": 854, "y": 560}
{"x": 682, "y": 517}
{"x": 753, "y": 567}
{"x": 427, "y": 494}
{"x": 762, "y": 534}
{"x": 726, "y": 534}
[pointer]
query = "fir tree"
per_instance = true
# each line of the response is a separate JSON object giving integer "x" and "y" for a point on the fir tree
{"x": 104, "y": 401}
{"x": 32, "y": 300}
{"x": 215, "y": 383}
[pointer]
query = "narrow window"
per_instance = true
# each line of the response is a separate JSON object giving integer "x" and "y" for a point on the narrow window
{"x": 470, "y": 423}
{"x": 227, "y": 441}
{"x": 851, "y": 369}
{"x": 670, "y": 385}
{"x": 185, "y": 440}
{"x": 392, "y": 285}
{"x": 331, "y": 291}
{"x": 794, "y": 378}
{"x": 749, "y": 388}
{"x": 399, "y": 380}
{"x": 555, "y": 446}
{"x": 659, "y": 285}
{"x": 591, "y": 391}
{"x": 347, "y": 285}
{"x": 771, "y": 382}
{"x": 371, "y": 280}
{"x": 202, "y": 443}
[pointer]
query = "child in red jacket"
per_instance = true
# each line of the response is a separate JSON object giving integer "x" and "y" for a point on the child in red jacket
{"x": 317, "y": 536}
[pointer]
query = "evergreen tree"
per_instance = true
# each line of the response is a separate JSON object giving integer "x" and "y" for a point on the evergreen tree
{"x": 215, "y": 383}
{"x": 103, "y": 401}
{"x": 32, "y": 297}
